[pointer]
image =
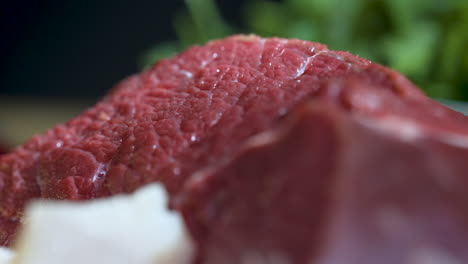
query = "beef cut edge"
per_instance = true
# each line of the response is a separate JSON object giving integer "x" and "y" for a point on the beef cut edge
{"x": 274, "y": 151}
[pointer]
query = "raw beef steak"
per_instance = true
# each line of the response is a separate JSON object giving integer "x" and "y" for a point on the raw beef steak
{"x": 210, "y": 124}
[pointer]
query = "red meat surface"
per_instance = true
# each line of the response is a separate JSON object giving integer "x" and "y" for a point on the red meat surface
{"x": 187, "y": 122}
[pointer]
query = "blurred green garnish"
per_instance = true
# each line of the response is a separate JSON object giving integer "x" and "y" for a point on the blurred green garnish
{"x": 427, "y": 40}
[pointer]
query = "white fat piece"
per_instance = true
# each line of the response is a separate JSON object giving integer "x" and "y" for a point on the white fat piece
{"x": 6, "y": 256}
{"x": 134, "y": 228}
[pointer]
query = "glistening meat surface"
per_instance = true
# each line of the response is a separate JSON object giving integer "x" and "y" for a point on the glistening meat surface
{"x": 183, "y": 114}
{"x": 192, "y": 114}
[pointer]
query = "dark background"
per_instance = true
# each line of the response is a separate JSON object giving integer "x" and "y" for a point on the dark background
{"x": 81, "y": 48}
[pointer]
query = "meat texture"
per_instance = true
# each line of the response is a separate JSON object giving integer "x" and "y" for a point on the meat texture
{"x": 274, "y": 150}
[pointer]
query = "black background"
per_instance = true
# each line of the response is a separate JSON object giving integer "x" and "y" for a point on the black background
{"x": 80, "y": 48}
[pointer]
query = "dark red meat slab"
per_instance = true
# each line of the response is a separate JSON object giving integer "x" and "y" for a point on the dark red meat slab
{"x": 339, "y": 183}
